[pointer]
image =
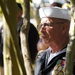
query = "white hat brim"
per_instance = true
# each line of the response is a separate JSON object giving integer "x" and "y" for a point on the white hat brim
{"x": 54, "y": 12}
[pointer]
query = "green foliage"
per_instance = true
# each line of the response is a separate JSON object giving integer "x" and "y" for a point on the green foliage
{"x": 0, "y": 10}
{"x": 31, "y": 1}
{"x": 72, "y": 2}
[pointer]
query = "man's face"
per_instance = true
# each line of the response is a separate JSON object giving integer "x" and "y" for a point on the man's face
{"x": 51, "y": 29}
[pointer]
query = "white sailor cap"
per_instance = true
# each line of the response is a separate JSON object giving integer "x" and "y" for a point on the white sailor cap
{"x": 54, "y": 12}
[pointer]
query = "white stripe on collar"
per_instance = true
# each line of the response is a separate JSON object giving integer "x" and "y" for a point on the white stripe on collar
{"x": 52, "y": 55}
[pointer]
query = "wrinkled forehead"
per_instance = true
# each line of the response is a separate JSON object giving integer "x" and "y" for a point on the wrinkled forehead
{"x": 49, "y": 19}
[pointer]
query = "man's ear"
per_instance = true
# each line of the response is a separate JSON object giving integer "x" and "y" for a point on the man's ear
{"x": 65, "y": 28}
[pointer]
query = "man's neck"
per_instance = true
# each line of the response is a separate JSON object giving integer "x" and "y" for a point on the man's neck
{"x": 56, "y": 47}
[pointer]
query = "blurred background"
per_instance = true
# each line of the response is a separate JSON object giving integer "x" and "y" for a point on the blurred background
{"x": 34, "y": 7}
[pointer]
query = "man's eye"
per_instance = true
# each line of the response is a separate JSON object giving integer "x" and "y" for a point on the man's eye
{"x": 46, "y": 24}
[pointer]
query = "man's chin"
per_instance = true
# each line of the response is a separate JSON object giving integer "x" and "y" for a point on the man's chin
{"x": 45, "y": 40}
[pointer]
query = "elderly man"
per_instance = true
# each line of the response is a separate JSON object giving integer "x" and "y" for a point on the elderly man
{"x": 55, "y": 23}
